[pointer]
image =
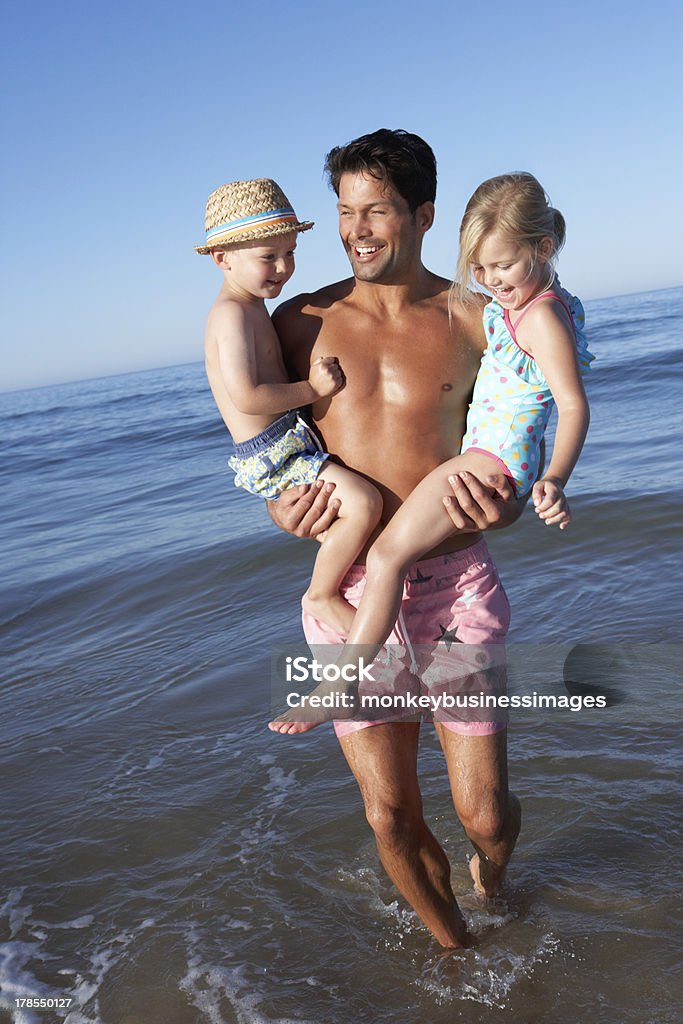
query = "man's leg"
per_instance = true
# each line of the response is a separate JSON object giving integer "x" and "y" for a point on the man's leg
{"x": 460, "y": 597}
{"x": 489, "y": 812}
{"x": 383, "y": 759}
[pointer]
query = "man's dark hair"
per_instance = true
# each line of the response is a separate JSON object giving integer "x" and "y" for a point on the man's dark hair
{"x": 395, "y": 157}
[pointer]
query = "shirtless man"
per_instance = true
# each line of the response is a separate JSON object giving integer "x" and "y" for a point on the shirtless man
{"x": 409, "y": 371}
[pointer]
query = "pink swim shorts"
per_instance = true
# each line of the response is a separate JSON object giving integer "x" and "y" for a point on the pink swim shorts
{"x": 449, "y": 638}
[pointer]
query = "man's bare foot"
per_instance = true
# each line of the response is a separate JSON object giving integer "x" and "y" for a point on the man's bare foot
{"x": 331, "y": 609}
{"x": 326, "y": 702}
{"x": 481, "y": 887}
{"x": 435, "y": 967}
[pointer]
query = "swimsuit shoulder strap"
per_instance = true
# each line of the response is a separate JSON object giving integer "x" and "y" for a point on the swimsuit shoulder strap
{"x": 545, "y": 295}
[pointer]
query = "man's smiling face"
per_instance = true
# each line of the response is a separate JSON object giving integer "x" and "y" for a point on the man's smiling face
{"x": 378, "y": 231}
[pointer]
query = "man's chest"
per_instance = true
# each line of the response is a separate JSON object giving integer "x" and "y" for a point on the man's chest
{"x": 415, "y": 365}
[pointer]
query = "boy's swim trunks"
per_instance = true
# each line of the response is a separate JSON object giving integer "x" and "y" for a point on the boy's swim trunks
{"x": 283, "y": 455}
{"x": 449, "y": 639}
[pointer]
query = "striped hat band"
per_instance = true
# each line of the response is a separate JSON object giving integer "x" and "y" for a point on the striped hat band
{"x": 258, "y": 220}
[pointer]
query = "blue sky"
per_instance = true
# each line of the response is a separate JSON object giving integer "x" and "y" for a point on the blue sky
{"x": 121, "y": 118}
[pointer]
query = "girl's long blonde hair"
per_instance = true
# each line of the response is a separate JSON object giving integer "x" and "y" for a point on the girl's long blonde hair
{"x": 515, "y": 206}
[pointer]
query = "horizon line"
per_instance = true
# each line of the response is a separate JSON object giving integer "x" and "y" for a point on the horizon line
{"x": 193, "y": 362}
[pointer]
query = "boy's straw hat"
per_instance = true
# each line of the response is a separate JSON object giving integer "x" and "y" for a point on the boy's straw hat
{"x": 243, "y": 211}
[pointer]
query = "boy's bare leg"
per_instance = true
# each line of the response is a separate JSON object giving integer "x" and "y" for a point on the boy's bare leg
{"x": 361, "y": 508}
{"x": 359, "y": 514}
{"x": 383, "y": 759}
{"x": 490, "y": 814}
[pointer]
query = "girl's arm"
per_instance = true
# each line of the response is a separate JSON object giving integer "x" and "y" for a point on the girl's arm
{"x": 548, "y": 336}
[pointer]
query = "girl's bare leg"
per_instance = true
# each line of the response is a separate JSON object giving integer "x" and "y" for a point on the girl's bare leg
{"x": 359, "y": 514}
{"x": 419, "y": 525}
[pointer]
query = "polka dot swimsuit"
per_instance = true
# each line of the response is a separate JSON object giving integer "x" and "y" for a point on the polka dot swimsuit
{"x": 512, "y": 401}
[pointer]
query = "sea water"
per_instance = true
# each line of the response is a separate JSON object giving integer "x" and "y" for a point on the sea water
{"x": 168, "y": 860}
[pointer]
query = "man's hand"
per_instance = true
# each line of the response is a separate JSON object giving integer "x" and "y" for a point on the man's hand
{"x": 476, "y": 505}
{"x": 550, "y": 502}
{"x": 305, "y": 511}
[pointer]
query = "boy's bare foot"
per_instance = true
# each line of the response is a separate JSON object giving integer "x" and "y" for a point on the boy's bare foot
{"x": 332, "y": 609}
{"x": 285, "y": 727}
{"x": 326, "y": 702}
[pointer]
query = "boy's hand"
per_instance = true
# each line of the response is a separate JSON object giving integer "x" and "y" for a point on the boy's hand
{"x": 550, "y": 503}
{"x": 326, "y": 376}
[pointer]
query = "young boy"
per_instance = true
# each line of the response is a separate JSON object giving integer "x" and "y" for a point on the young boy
{"x": 251, "y": 234}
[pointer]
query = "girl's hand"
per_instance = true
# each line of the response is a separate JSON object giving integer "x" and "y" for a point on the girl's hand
{"x": 550, "y": 503}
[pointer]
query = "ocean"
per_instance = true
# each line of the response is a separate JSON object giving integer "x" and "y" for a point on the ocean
{"x": 168, "y": 860}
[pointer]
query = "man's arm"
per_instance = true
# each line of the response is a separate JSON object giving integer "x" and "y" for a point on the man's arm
{"x": 294, "y": 331}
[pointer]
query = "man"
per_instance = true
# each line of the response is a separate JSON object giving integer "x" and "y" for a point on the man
{"x": 409, "y": 366}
